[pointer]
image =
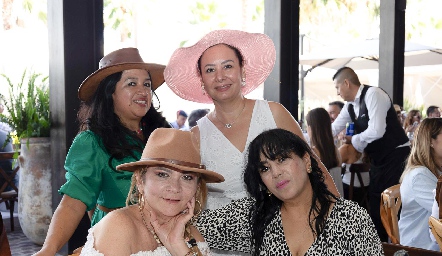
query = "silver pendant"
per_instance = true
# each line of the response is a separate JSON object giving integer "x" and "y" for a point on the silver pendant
{"x": 228, "y": 126}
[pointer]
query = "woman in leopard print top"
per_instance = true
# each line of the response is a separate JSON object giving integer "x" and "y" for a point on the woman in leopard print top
{"x": 291, "y": 211}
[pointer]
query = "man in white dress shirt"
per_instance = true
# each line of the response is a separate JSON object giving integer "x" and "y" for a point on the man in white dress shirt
{"x": 377, "y": 133}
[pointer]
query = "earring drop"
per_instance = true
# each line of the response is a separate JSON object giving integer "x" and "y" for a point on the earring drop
{"x": 309, "y": 170}
{"x": 203, "y": 89}
{"x": 269, "y": 193}
{"x": 243, "y": 82}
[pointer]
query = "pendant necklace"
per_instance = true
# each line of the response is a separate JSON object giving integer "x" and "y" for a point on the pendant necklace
{"x": 155, "y": 236}
{"x": 229, "y": 125}
{"x": 139, "y": 131}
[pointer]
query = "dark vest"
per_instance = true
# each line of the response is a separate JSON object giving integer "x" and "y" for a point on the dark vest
{"x": 394, "y": 134}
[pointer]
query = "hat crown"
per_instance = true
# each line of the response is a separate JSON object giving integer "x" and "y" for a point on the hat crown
{"x": 257, "y": 50}
{"x": 173, "y": 144}
{"x": 125, "y": 55}
{"x": 172, "y": 148}
{"x": 118, "y": 61}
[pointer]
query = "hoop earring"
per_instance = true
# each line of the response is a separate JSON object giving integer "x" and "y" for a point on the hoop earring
{"x": 141, "y": 202}
{"x": 159, "y": 103}
{"x": 200, "y": 208}
{"x": 195, "y": 215}
{"x": 243, "y": 82}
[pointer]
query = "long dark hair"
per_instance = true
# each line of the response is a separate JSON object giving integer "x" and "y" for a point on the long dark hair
{"x": 274, "y": 144}
{"x": 321, "y": 136}
{"x": 409, "y": 119}
{"x": 97, "y": 115}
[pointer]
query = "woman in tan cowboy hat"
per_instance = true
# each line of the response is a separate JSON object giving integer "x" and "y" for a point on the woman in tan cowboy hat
{"x": 221, "y": 68}
{"x": 168, "y": 188}
{"x": 116, "y": 117}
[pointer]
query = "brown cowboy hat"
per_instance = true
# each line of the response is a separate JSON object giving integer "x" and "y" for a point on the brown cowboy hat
{"x": 174, "y": 148}
{"x": 117, "y": 61}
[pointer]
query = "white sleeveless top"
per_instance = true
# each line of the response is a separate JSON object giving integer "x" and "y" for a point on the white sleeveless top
{"x": 220, "y": 155}
{"x": 89, "y": 250}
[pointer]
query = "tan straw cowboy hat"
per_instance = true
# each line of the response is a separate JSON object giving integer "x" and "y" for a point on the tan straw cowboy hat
{"x": 117, "y": 61}
{"x": 257, "y": 50}
{"x": 174, "y": 148}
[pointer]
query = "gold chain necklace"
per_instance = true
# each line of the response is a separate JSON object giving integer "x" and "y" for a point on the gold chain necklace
{"x": 150, "y": 230}
{"x": 229, "y": 125}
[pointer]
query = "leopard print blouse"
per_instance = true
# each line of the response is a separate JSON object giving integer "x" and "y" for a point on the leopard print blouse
{"x": 349, "y": 230}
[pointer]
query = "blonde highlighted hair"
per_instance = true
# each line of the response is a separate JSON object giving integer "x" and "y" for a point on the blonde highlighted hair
{"x": 133, "y": 196}
{"x": 422, "y": 154}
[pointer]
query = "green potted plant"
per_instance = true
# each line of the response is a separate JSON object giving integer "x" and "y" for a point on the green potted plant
{"x": 27, "y": 113}
{"x": 27, "y": 106}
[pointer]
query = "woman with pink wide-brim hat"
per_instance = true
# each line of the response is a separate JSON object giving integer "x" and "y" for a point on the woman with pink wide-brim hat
{"x": 221, "y": 68}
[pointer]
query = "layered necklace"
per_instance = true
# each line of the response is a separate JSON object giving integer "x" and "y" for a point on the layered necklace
{"x": 229, "y": 125}
{"x": 155, "y": 236}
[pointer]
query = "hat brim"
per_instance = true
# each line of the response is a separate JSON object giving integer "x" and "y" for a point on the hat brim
{"x": 209, "y": 176}
{"x": 258, "y": 52}
{"x": 91, "y": 83}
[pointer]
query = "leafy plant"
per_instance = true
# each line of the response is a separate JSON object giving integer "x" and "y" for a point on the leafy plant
{"x": 27, "y": 106}
{"x": 409, "y": 105}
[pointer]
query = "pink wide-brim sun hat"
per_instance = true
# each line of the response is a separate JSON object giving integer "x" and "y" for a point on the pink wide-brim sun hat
{"x": 257, "y": 49}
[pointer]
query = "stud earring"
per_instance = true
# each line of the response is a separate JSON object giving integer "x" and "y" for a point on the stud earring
{"x": 243, "y": 82}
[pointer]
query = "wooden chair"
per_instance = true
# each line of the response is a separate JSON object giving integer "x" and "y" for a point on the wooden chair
{"x": 436, "y": 229}
{"x": 356, "y": 169}
{"x": 400, "y": 250}
{"x": 390, "y": 205}
{"x": 9, "y": 197}
{"x": 5, "y": 249}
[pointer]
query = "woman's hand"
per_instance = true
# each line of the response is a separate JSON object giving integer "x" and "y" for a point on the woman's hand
{"x": 171, "y": 233}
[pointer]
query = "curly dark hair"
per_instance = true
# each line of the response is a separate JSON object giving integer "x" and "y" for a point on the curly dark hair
{"x": 274, "y": 144}
{"x": 97, "y": 115}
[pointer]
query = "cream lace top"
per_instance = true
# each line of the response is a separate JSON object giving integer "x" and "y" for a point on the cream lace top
{"x": 89, "y": 250}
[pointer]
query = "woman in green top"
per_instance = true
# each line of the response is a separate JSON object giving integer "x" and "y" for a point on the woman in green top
{"x": 116, "y": 117}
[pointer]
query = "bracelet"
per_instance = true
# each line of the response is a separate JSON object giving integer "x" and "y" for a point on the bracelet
{"x": 191, "y": 253}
